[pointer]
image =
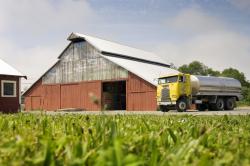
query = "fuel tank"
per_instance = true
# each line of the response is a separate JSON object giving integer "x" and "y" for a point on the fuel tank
{"x": 209, "y": 85}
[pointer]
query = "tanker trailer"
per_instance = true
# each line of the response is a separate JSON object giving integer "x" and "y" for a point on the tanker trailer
{"x": 180, "y": 91}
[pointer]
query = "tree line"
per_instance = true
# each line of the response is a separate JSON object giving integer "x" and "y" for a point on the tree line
{"x": 198, "y": 68}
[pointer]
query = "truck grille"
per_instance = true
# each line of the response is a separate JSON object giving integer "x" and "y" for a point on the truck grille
{"x": 165, "y": 94}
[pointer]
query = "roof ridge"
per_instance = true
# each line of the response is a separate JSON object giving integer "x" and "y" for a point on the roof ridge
{"x": 100, "y": 38}
{"x": 116, "y": 48}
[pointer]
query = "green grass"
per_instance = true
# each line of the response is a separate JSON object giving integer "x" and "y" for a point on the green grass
{"x": 243, "y": 104}
{"x": 37, "y": 139}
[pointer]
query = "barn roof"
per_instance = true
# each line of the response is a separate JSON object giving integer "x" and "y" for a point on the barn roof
{"x": 146, "y": 71}
{"x": 146, "y": 65}
{"x": 6, "y": 69}
{"x": 115, "y": 49}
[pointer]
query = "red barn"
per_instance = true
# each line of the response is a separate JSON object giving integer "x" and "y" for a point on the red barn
{"x": 10, "y": 98}
{"x": 95, "y": 74}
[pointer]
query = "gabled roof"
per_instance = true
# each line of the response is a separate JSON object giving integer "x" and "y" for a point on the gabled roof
{"x": 6, "y": 69}
{"x": 112, "y": 48}
{"x": 146, "y": 65}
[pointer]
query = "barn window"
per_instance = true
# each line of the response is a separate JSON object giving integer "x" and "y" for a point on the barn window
{"x": 8, "y": 88}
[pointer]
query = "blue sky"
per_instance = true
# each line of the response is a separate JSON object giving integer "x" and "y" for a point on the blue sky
{"x": 215, "y": 32}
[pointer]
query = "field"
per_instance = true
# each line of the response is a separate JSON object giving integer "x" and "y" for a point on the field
{"x": 39, "y": 139}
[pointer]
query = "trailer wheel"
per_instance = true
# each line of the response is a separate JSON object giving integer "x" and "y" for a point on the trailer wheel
{"x": 181, "y": 105}
{"x": 219, "y": 104}
{"x": 229, "y": 104}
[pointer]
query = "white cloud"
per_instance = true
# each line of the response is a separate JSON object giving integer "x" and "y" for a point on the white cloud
{"x": 34, "y": 19}
{"x": 193, "y": 20}
{"x": 211, "y": 42}
{"x": 32, "y": 62}
{"x": 39, "y": 17}
{"x": 241, "y": 4}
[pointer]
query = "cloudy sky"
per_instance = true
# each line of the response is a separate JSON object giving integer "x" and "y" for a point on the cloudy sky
{"x": 216, "y": 32}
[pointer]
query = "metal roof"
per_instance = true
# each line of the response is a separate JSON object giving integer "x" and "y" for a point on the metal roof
{"x": 148, "y": 72}
{"x": 6, "y": 69}
{"x": 105, "y": 46}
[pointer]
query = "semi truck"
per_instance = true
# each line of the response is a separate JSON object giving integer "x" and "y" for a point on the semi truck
{"x": 183, "y": 91}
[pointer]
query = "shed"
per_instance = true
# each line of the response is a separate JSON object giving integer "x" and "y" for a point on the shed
{"x": 10, "y": 80}
{"x": 94, "y": 74}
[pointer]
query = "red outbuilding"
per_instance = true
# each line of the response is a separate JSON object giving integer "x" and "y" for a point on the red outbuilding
{"x": 10, "y": 80}
{"x": 95, "y": 74}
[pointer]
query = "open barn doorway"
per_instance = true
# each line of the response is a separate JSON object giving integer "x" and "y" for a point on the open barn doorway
{"x": 114, "y": 95}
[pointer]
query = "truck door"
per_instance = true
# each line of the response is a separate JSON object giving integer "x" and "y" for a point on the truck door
{"x": 182, "y": 86}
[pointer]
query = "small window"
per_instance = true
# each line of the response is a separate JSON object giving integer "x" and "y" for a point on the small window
{"x": 8, "y": 88}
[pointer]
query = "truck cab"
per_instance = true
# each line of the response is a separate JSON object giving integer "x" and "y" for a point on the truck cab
{"x": 174, "y": 91}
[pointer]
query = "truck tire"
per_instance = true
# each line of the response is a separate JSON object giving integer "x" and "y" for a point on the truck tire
{"x": 219, "y": 105}
{"x": 181, "y": 105}
{"x": 229, "y": 104}
{"x": 164, "y": 108}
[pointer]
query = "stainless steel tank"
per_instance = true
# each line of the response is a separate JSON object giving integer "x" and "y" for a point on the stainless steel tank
{"x": 208, "y": 85}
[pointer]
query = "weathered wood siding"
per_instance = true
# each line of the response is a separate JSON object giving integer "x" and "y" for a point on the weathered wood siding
{"x": 82, "y": 62}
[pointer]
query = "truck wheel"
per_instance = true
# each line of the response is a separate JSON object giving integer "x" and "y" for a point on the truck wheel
{"x": 164, "y": 108}
{"x": 219, "y": 105}
{"x": 229, "y": 104}
{"x": 181, "y": 105}
{"x": 202, "y": 107}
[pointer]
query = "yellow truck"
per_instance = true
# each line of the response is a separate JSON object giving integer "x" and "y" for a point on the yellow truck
{"x": 181, "y": 91}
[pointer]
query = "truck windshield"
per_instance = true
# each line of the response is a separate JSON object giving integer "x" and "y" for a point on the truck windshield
{"x": 168, "y": 80}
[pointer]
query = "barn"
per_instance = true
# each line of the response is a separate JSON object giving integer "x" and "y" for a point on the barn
{"x": 10, "y": 80}
{"x": 95, "y": 74}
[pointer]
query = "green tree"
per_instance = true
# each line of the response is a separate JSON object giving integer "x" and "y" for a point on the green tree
{"x": 198, "y": 68}
{"x": 212, "y": 72}
{"x": 234, "y": 73}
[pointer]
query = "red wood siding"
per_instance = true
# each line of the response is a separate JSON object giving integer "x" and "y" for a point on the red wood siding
{"x": 9, "y": 104}
{"x": 51, "y": 100}
{"x": 89, "y": 92}
{"x": 70, "y": 96}
{"x": 141, "y": 95}
{"x": 60, "y": 96}
{"x": 34, "y": 99}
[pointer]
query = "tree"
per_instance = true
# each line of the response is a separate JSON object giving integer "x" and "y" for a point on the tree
{"x": 234, "y": 73}
{"x": 172, "y": 66}
{"x": 198, "y": 68}
{"x": 212, "y": 72}
{"x": 184, "y": 69}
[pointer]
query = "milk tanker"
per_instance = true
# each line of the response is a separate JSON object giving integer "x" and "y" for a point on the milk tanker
{"x": 181, "y": 91}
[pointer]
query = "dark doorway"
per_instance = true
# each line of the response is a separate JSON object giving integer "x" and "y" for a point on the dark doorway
{"x": 114, "y": 95}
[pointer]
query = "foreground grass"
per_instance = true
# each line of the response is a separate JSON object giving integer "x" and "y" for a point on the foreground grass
{"x": 28, "y": 139}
